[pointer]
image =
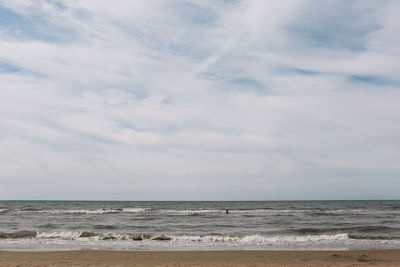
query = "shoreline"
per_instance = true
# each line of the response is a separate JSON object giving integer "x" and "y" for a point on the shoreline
{"x": 203, "y": 258}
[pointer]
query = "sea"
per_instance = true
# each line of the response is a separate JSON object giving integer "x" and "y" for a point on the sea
{"x": 199, "y": 225}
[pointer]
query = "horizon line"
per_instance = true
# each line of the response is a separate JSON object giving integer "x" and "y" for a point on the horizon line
{"x": 282, "y": 200}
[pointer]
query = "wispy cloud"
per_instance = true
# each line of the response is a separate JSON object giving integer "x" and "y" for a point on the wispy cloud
{"x": 220, "y": 99}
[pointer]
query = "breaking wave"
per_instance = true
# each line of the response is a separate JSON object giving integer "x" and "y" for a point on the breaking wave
{"x": 144, "y": 241}
{"x": 4, "y": 210}
{"x": 248, "y": 239}
{"x": 96, "y": 211}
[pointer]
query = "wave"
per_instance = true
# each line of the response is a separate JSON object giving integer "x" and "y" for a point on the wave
{"x": 256, "y": 239}
{"x": 197, "y": 211}
{"x": 239, "y": 211}
{"x": 376, "y": 228}
{"x": 19, "y": 234}
{"x": 212, "y": 239}
{"x": 134, "y": 210}
{"x": 338, "y": 212}
{"x": 102, "y": 236}
{"x": 4, "y": 210}
{"x": 96, "y": 211}
{"x": 371, "y": 237}
{"x": 362, "y": 229}
{"x": 29, "y": 209}
{"x": 191, "y": 211}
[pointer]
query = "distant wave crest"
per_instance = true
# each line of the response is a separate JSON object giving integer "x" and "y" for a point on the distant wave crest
{"x": 95, "y": 211}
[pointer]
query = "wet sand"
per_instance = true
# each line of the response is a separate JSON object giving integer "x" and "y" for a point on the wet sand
{"x": 202, "y": 258}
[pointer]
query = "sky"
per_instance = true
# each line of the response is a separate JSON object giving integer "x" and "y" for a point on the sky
{"x": 199, "y": 100}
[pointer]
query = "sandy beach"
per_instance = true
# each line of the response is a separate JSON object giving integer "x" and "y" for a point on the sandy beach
{"x": 202, "y": 258}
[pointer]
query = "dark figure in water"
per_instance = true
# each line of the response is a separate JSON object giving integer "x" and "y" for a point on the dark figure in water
{"x": 227, "y": 211}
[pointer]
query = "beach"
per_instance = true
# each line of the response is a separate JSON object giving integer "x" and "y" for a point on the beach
{"x": 202, "y": 258}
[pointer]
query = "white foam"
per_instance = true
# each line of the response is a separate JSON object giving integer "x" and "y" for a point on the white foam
{"x": 190, "y": 211}
{"x": 72, "y": 240}
{"x": 268, "y": 211}
{"x": 341, "y": 211}
{"x": 258, "y": 239}
{"x": 60, "y": 235}
{"x": 249, "y": 239}
{"x": 96, "y": 211}
{"x": 134, "y": 210}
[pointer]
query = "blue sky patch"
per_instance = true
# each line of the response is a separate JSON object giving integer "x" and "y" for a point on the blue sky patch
{"x": 334, "y": 25}
{"x": 372, "y": 80}
{"x": 6, "y": 67}
{"x": 34, "y": 27}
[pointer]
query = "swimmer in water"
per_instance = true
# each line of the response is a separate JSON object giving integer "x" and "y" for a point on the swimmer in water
{"x": 227, "y": 211}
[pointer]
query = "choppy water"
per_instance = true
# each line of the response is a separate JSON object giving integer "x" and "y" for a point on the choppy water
{"x": 65, "y": 225}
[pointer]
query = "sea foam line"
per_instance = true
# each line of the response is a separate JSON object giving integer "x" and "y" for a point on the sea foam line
{"x": 256, "y": 239}
{"x": 96, "y": 211}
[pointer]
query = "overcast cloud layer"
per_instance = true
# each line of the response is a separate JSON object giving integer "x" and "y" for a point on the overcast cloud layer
{"x": 197, "y": 100}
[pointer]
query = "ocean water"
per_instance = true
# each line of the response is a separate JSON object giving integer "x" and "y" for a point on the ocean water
{"x": 249, "y": 225}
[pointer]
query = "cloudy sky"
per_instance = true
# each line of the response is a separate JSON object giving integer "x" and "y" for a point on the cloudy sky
{"x": 199, "y": 100}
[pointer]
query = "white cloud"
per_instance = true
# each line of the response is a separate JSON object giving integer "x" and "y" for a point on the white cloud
{"x": 243, "y": 96}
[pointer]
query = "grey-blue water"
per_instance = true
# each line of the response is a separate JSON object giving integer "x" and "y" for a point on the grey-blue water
{"x": 126, "y": 225}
